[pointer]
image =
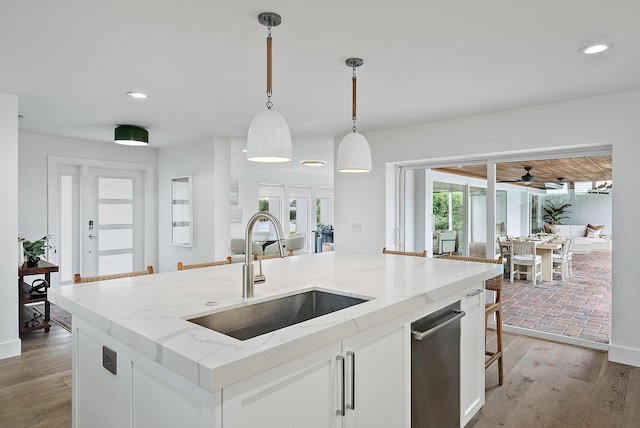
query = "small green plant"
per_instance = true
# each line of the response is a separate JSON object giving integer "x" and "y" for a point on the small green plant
{"x": 33, "y": 250}
{"x": 554, "y": 214}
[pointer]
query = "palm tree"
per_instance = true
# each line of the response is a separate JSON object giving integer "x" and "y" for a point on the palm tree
{"x": 553, "y": 214}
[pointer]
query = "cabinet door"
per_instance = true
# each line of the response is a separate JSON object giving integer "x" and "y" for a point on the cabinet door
{"x": 377, "y": 371}
{"x": 472, "y": 354}
{"x": 299, "y": 393}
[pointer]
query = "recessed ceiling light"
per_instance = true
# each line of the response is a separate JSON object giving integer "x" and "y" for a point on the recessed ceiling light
{"x": 137, "y": 95}
{"x": 594, "y": 49}
{"x": 313, "y": 162}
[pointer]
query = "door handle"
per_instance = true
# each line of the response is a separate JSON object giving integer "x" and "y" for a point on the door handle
{"x": 341, "y": 410}
{"x": 352, "y": 405}
{"x": 93, "y": 236}
{"x": 419, "y": 335}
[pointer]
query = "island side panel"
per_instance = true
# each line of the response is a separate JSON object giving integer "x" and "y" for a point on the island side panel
{"x": 141, "y": 393}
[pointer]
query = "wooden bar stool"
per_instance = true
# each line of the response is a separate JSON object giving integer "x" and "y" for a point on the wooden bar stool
{"x": 492, "y": 284}
{"x": 182, "y": 266}
{"x": 77, "y": 279}
{"x": 405, "y": 253}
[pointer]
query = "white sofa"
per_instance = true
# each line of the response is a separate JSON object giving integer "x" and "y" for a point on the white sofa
{"x": 237, "y": 249}
{"x": 292, "y": 244}
{"x": 581, "y": 243}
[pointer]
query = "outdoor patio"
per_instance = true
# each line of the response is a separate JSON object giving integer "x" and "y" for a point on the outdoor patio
{"x": 579, "y": 307}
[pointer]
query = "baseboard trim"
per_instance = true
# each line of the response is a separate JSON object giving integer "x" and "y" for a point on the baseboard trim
{"x": 554, "y": 337}
{"x": 10, "y": 349}
{"x": 620, "y": 354}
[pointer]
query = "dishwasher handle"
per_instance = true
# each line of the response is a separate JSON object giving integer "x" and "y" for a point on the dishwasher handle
{"x": 420, "y": 335}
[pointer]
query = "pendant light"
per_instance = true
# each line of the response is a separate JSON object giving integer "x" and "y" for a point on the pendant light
{"x": 269, "y": 138}
{"x": 354, "y": 154}
{"x": 130, "y": 135}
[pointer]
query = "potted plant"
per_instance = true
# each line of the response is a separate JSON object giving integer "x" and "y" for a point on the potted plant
{"x": 33, "y": 250}
{"x": 553, "y": 214}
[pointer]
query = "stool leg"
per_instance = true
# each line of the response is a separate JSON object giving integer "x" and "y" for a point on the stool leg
{"x": 499, "y": 340}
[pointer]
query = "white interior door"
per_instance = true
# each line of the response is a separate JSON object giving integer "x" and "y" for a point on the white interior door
{"x": 113, "y": 221}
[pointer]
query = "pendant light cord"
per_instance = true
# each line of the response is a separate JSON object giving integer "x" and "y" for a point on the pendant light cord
{"x": 353, "y": 98}
{"x": 269, "y": 74}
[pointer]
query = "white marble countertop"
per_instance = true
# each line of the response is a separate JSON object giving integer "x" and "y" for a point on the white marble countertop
{"x": 149, "y": 313}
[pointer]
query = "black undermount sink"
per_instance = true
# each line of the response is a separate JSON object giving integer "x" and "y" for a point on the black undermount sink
{"x": 254, "y": 320}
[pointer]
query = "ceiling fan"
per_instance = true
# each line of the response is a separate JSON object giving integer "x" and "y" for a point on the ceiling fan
{"x": 528, "y": 179}
{"x": 525, "y": 179}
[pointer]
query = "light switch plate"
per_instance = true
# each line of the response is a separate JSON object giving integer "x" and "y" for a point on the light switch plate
{"x": 110, "y": 360}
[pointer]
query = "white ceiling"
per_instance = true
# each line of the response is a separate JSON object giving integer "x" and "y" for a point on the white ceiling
{"x": 202, "y": 63}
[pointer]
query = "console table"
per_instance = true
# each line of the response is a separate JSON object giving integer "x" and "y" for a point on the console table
{"x": 29, "y": 319}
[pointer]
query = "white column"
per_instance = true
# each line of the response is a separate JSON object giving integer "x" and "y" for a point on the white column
{"x": 222, "y": 197}
{"x": 9, "y": 339}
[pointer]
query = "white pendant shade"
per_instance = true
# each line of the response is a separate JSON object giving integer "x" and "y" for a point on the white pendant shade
{"x": 269, "y": 138}
{"x": 354, "y": 154}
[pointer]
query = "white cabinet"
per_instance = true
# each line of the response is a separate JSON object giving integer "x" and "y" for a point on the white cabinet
{"x": 101, "y": 399}
{"x": 313, "y": 390}
{"x": 140, "y": 394}
{"x": 377, "y": 379}
{"x": 299, "y": 393}
{"x": 471, "y": 354}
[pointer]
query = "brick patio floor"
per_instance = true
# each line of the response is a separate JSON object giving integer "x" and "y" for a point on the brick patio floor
{"x": 579, "y": 307}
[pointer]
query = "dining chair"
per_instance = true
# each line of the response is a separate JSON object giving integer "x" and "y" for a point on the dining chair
{"x": 182, "y": 266}
{"x": 77, "y": 279}
{"x": 492, "y": 284}
{"x": 561, "y": 260}
{"x": 505, "y": 251}
{"x": 405, "y": 253}
{"x": 523, "y": 254}
{"x": 570, "y": 257}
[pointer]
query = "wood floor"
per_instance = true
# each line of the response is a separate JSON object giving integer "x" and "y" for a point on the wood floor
{"x": 35, "y": 387}
{"x": 546, "y": 385}
{"x": 551, "y": 385}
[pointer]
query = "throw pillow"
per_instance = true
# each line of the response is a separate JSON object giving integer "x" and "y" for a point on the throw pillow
{"x": 593, "y": 233}
{"x": 550, "y": 228}
{"x": 598, "y": 229}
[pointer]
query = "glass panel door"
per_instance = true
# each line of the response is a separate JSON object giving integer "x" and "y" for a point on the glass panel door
{"x": 115, "y": 237}
{"x": 449, "y": 214}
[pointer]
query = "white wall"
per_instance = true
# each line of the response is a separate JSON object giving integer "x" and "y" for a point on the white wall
{"x": 208, "y": 164}
{"x": 33, "y": 152}
{"x": 9, "y": 339}
{"x": 607, "y": 119}
{"x": 585, "y": 208}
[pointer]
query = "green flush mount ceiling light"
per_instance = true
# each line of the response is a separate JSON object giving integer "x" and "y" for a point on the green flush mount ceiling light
{"x": 269, "y": 138}
{"x": 129, "y": 135}
{"x": 354, "y": 154}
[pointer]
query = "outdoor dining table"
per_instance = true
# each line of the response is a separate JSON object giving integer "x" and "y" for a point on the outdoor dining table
{"x": 544, "y": 249}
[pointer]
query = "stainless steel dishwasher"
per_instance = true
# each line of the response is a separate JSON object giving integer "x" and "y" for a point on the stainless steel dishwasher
{"x": 435, "y": 369}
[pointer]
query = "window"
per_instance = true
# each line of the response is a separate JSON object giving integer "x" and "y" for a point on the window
{"x": 270, "y": 200}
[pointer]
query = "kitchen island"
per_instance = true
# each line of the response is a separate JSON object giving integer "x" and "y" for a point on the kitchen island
{"x": 171, "y": 372}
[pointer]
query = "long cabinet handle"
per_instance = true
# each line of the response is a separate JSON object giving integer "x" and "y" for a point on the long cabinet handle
{"x": 341, "y": 410}
{"x": 352, "y": 405}
{"x": 419, "y": 335}
{"x": 475, "y": 293}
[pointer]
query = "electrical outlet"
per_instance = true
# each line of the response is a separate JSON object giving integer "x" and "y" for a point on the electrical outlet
{"x": 110, "y": 360}
{"x": 356, "y": 227}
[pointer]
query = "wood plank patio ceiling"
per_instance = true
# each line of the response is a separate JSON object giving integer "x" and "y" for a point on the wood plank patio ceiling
{"x": 592, "y": 168}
